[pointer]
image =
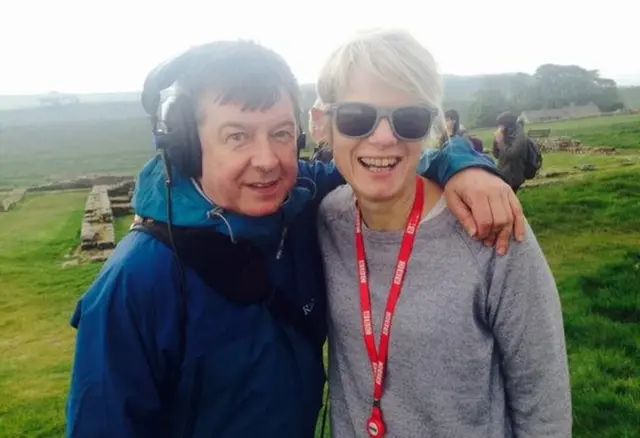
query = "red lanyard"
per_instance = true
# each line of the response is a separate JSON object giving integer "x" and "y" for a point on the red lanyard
{"x": 375, "y": 424}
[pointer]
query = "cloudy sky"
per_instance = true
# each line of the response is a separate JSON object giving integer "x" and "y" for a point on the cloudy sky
{"x": 90, "y": 46}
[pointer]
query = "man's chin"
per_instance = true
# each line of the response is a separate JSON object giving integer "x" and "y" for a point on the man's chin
{"x": 261, "y": 207}
{"x": 264, "y": 209}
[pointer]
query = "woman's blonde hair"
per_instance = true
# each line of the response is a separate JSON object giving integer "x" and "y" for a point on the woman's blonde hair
{"x": 395, "y": 57}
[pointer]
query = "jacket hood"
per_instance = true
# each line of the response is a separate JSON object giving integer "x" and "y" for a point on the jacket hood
{"x": 191, "y": 208}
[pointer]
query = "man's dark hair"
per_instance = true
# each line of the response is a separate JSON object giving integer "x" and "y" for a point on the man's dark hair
{"x": 240, "y": 72}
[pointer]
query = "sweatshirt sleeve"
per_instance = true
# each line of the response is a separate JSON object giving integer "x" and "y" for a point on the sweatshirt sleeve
{"x": 525, "y": 315}
{"x": 118, "y": 375}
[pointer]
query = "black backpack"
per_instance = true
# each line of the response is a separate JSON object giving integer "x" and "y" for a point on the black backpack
{"x": 533, "y": 162}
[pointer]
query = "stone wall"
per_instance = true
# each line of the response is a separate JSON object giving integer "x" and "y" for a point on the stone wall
{"x": 83, "y": 183}
{"x": 120, "y": 196}
{"x": 104, "y": 203}
{"x": 12, "y": 199}
{"x": 97, "y": 235}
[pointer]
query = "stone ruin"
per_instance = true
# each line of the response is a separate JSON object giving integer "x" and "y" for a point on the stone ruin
{"x": 12, "y": 199}
{"x": 120, "y": 198}
{"x": 97, "y": 235}
{"x": 559, "y": 144}
{"x": 567, "y": 144}
{"x": 83, "y": 182}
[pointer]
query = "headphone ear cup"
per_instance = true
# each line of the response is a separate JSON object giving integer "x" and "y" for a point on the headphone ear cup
{"x": 301, "y": 141}
{"x": 193, "y": 147}
{"x": 184, "y": 149}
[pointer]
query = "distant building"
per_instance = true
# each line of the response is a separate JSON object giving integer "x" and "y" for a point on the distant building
{"x": 566, "y": 113}
{"x": 54, "y": 99}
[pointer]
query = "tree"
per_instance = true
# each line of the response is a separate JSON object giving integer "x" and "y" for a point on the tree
{"x": 608, "y": 97}
{"x": 486, "y": 107}
{"x": 551, "y": 86}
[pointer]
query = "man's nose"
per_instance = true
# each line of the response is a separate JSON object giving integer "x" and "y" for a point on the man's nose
{"x": 264, "y": 156}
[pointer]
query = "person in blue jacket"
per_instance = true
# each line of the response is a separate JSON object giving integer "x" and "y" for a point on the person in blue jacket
{"x": 209, "y": 318}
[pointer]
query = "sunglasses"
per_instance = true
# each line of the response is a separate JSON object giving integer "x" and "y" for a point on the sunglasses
{"x": 360, "y": 120}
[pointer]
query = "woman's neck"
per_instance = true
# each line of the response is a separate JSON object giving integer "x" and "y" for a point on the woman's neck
{"x": 389, "y": 215}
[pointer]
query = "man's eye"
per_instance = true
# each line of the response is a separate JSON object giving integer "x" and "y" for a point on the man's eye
{"x": 236, "y": 137}
{"x": 283, "y": 135}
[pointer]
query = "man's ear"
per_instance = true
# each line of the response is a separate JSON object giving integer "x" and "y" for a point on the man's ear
{"x": 318, "y": 124}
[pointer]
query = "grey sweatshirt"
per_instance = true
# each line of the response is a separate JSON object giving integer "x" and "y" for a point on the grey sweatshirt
{"x": 477, "y": 343}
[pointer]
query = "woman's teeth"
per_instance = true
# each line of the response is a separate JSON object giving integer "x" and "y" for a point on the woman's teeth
{"x": 379, "y": 164}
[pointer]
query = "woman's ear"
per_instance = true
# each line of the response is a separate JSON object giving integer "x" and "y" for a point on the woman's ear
{"x": 318, "y": 125}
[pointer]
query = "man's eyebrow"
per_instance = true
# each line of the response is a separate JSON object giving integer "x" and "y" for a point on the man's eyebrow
{"x": 235, "y": 125}
{"x": 285, "y": 124}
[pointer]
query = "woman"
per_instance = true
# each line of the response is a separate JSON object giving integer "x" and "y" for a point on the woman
{"x": 472, "y": 344}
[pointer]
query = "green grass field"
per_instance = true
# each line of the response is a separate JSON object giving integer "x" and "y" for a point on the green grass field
{"x": 589, "y": 228}
{"x": 58, "y": 151}
{"x": 590, "y": 231}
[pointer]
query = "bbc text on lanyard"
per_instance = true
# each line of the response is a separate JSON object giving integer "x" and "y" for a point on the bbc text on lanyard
{"x": 375, "y": 424}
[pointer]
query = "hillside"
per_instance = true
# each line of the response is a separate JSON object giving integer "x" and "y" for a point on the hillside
{"x": 631, "y": 96}
{"x": 81, "y": 112}
{"x": 11, "y": 102}
{"x": 459, "y": 92}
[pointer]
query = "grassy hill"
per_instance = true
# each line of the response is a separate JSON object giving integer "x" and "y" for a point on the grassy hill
{"x": 8, "y": 102}
{"x": 589, "y": 230}
{"x": 76, "y": 113}
{"x": 57, "y": 151}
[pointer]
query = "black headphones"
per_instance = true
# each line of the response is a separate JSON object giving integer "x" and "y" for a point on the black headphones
{"x": 174, "y": 123}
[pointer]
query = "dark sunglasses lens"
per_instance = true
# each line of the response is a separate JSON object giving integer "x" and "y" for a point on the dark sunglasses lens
{"x": 355, "y": 120}
{"x": 412, "y": 123}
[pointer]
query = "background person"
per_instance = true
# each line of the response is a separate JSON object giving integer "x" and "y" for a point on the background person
{"x": 510, "y": 147}
{"x": 455, "y": 129}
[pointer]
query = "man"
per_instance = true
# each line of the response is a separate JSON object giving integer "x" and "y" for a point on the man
{"x": 511, "y": 148}
{"x": 209, "y": 319}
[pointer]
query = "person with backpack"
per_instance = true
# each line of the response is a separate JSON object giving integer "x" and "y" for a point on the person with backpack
{"x": 518, "y": 156}
{"x": 209, "y": 318}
